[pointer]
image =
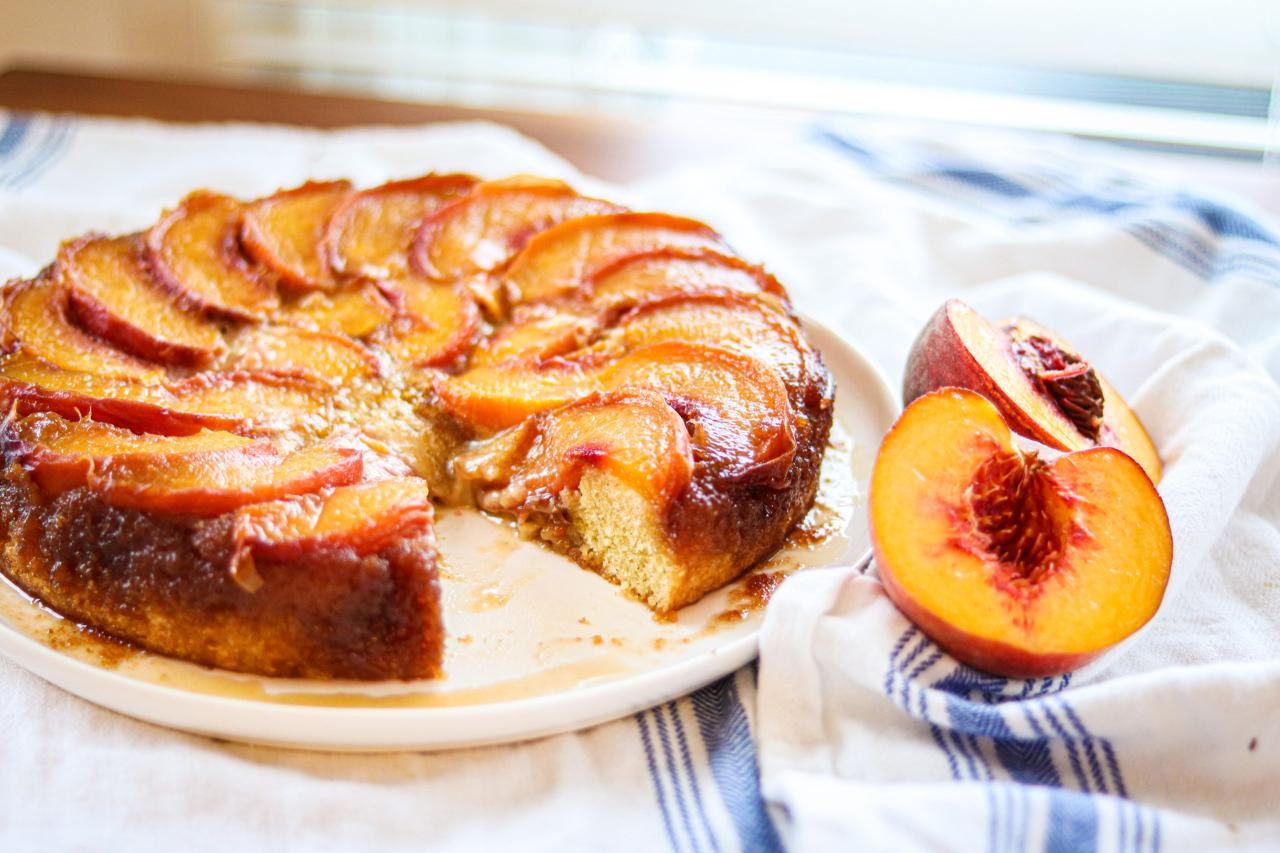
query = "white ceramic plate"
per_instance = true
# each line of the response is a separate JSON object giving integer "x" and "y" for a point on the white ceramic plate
{"x": 536, "y": 645}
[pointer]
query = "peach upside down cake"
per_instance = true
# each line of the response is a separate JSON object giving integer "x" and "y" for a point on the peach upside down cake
{"x": 223, "y": 436}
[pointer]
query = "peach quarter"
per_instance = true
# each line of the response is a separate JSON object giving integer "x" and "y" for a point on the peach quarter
{"x": 1042, "y": 386}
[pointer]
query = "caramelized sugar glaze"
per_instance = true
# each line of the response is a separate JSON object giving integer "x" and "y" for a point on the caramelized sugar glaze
{"x": 220, "y": 432}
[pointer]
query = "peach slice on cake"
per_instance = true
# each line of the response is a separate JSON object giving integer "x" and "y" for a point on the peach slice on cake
{"x": 33, "y": 385}
{"x": 538, "y": 331}
{"x": 206, "y": 474}
{"x": 608, "y": 470}
{"x": 1042, "y": 386}
{"x": 744, "y": 323}
{"x": 364, "y": 517}
{"x": 434, "y": 324}
{"x": 484, "y": 229}
{"x": 1013, "y": 564}
{"x": 669, "y": 272}
{"x": 635, "y": 435}
{"x": 735, "y": 321}
{"x": 111, "y": 294}
{"x": 61, "y": 454}
{"x": 354, "y": 310}
{"x": 288, "y": 351}
{"x": 239, "y": 401}
{"x": 284, "y": 232}
{"x": 260, "y": 402}
{"x": 560, "y": 259}
{"x": 36, "y": 321}
{"x": 370, "y": 234}
{"x": 736, "y": 407}
{"x": 194, "y": 250}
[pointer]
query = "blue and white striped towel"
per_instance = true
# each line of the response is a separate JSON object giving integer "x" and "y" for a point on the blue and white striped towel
{"x": 870, "y": 736}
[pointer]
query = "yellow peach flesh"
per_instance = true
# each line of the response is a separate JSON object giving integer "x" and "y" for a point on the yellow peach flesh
{"x": 371, "y": 233}
{"x": 560, "y": 259}
{"x": 1120, "y": 425}
{"x": 634, "y": 435}
{"x": 114, "y": 297}
{"x": 482, "y": 230}
{"x": 38, "y": 320}
{"x": 194, "y": 251}
{"x": 299, "y": 352}
{"x": 284, "y": 232}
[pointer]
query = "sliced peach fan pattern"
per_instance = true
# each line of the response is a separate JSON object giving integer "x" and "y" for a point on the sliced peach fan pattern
{"x": 224, "y": 436}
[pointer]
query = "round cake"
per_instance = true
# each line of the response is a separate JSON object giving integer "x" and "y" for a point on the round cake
{"x": 224, "y": 437}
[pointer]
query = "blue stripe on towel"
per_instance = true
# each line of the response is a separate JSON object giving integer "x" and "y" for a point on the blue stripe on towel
{"x": 1033, "y": 197}
{"x": 980, "y": 714}
{"x": 47, "y": 152}
{"x": 731, "y": 754}
{"x": 895, "y": 670}
{"x": 647, "y": 742}
{"x": 1073, "y": 758}
{"x": 673, "y": 772}
{"x": 687, "y": 761}
{"x": 15, "y": 129}
{"x": 1073, "y": 822}
{"x": 1091, "y": 755}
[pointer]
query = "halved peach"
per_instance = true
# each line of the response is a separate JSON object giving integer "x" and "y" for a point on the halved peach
{"x": 289, "y": 351}
{"x": 484, "y": 229}
{"x": 560, "y": 259}
{"x": 240, "y": 401}
{"x": 434, "y": 324}
{"x": 354, "y": 310}
{"x": 194, "y": 250}
{"x": 1012, "y": 564}
{"x": 111, "y": 294}
{"x": 370, "y": 234}
{"x": 35, "y": 320}
{"x": 736, "y": 407}
{"x": 285, "y": 232}
{"x": 364, "y": 517}
{"x": 634, "y": 435}
{"x": 202, "y": 474}
{"x": 1041, "y": 385}
{"x": 644, "y": 276}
